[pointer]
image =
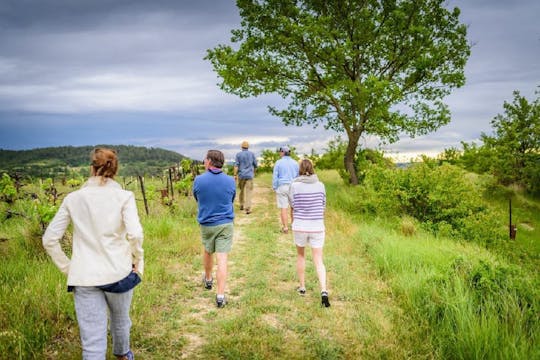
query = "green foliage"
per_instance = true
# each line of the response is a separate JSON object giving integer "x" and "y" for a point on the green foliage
{"x": 478, "y": 159}
{"x": 269, "y": 158}
{"x": 8, "y": 191}
{"x": 512, "y": 153}
{"x": 464, "y": 301}
{"x": 184, "y": 185}
{"x": 442, "y": 198}
{"x": 469, "y": 303}
{"x": 450, "y": 156}
{"x": 186, "y": 165}
{"x": 345, "y": 65}
{"x": 517, "y": 143}
{"x": 74, "y": 183}
{"x": 74, "y": 161}
{"x": 45, "y": 213}
{"x": 335, "y": 153}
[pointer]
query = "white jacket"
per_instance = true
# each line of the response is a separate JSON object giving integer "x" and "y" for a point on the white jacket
{"x": 107, "y": 234}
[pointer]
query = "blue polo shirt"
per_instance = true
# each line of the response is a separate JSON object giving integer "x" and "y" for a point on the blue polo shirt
{"x": 214, "y": 192}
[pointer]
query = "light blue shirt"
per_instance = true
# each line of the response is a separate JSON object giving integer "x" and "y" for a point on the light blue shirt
{"x": 285, "y": 171}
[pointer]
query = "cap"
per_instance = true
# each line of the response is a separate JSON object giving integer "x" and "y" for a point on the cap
{"x": 245, "y": 144}
{"x": 285, "y": 149}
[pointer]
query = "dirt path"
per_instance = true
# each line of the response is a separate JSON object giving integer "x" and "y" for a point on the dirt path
{"x": 195, "y": 340}
{"x": 262, "y": 264}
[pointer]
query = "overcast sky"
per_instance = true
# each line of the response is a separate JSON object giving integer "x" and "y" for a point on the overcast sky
{"x": 132, "y": 72}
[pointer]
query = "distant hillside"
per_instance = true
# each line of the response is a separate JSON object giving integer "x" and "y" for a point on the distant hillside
{"x": 75, "y": 160}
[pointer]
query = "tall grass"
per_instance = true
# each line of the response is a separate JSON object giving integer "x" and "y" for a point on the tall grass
{"x": 468, "y": 301}
{"x": 397, "y": 290}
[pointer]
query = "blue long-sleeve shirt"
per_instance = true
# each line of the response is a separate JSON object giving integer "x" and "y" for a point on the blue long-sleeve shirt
{"x": 285, "y": 171}
{"x": 215, "y": 193}
{"x": 246, "y": 163}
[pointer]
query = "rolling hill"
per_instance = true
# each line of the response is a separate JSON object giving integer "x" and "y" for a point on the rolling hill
{"x": 75, "y": 160}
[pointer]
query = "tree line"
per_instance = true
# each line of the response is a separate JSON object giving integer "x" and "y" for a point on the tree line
{"x": 70, "y": 161}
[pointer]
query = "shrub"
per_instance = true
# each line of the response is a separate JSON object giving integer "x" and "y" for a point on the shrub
{"x": 442, "y": 198}
{"x": 8, "y": 191}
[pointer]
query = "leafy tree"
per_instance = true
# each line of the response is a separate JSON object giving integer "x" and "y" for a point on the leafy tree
{"x": 269, "y": 158}
{"x": 478, "y": 159}
{"x": 347, "y": 64}
{"x": 333, "y": 155}
{"x": 516, "y": 143}
{"x": 450, "y": 155}
{"x": 313, "y": 156}
{"x": 333, "y": 159}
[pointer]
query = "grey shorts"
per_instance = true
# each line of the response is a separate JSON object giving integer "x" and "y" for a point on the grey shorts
{"x": 282, "y": 196}
{"x": 314, "y": 239}
{"x": 217, "y": 238}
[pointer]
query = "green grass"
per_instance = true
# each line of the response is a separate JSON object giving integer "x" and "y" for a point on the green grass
{"x": 393, "y": 295}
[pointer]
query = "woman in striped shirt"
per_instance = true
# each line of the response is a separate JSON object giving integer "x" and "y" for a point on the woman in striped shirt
{"x": 308, "y": 201}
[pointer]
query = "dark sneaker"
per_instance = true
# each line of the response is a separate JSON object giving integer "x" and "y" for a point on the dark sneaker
{"x": 248, "y": 211}
{"x": 301, "y": 291}
{"x": 241, "y": 207}
{"x": 207, "y": 283}
{"x": 220, "y": 302}
{"x": 128, "y": 356}
{"x": 324, "y": 299}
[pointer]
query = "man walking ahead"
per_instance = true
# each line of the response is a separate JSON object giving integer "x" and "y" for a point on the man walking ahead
{"x": 244, "y": 170}
{"x": 215, "y": 192}
{"x": 285, "y": 171}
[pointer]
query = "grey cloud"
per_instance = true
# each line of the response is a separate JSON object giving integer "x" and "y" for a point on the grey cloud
{"x": 73, "y": 15}
{"x": 136, "y": 69}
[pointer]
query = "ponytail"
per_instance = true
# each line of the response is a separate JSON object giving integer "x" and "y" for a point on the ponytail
{"x": 104, "y": 163}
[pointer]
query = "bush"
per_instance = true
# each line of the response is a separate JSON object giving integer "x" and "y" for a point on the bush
{"x": 8, "y": 191}
{"x": 442, "y": 198}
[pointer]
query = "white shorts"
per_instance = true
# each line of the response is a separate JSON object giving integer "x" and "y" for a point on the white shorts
{"x": 314, "y": 239}
{"x": 282, "y": 196}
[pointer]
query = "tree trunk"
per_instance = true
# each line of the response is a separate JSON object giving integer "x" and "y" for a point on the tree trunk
{"x": 350, "y": 157}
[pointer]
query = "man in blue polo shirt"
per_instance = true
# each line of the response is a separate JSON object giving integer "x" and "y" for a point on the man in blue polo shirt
{"x": 285, "y": 171}
{"x": 215, "y": 192}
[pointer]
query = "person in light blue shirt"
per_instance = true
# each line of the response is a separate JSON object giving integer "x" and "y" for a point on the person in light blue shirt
{"x": 285, "y": 171}
{"x": 245, "y": 165}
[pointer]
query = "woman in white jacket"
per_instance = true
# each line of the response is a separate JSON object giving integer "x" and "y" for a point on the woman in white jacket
{"x": 308, "y": 201}
{"x": 106, "y": 257}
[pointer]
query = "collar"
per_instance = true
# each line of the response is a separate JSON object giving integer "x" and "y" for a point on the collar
{"x": 215, "y": 170}
{"x": 96, "y": 181}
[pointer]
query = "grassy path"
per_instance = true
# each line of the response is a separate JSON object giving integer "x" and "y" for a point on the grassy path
{"x": 175, "y": 318}
{"x": 265, "y": 318}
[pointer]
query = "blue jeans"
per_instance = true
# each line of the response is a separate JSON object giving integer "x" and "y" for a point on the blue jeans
{"x": 92, "y": 305}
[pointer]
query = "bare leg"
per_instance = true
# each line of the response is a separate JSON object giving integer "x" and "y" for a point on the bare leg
{"x": 221, "y": 272}
{"x": 301, "y": 266}
{"x": 292, "y": 218}
{"x": 319, "y": 266}
{"x": 284, "y": 222}
{"x": 208, "y": 264}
